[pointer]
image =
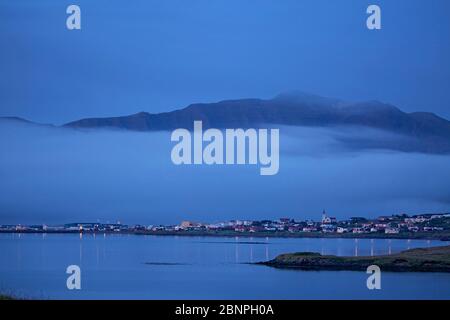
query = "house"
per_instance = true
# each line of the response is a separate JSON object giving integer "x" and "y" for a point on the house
{"x": 428, "y": 229}
{"x": 358, "y": 230}
{"x": 8, "y": 227}
{"x": 20, "y": 228}
{"x": 256, "y": 228}
{"x": 242, "y": 222}
{"x": 420, "y": 219}
{"x": 342, "y": 230}
{"x": 37, "y": 228}
{"x": 327, "y": 220}
{"x": 187, "y": 224}
{"x": 391, "y": 230}
{"x": 116, "y": 227}
{"x": 413, "y": 229}
{"x": 286, "y": 220}
{"x": 213, "y": 226}
{"x": 327, "y": 228}
{"x": 83, "y": 226}
{"x": 139, "y": 227}
{"x": 294, "y": 229}
{"x": 54, "y": 228}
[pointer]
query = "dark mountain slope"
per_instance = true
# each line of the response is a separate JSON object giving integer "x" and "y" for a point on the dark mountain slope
{"x": 418, "y": 131}
{"x": 297, "y": 109}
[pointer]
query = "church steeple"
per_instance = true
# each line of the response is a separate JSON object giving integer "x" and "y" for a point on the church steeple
{"x": 324, "y": 216}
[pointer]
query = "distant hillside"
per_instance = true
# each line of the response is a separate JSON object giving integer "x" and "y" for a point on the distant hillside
{"x": 431, "y": 132}
{"x": 423, "y": 132}
{"x": 15, "y": 119}
{"x": 23, "y": 121}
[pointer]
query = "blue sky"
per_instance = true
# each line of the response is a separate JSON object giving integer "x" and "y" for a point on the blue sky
{"x": 162, "y": 55}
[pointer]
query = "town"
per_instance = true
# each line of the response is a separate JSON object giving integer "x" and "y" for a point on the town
{"x": 431, "y": 225}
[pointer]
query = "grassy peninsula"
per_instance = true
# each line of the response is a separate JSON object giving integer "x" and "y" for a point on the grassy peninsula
{"x": 435, "y": 259}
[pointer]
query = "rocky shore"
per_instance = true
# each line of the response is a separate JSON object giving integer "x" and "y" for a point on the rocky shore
{"x": 435, "y": 259}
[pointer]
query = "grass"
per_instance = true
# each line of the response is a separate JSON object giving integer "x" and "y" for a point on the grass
{"x": 416, "y": 260}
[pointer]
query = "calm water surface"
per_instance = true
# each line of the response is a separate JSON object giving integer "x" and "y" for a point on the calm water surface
{"x": 159, "y": 267}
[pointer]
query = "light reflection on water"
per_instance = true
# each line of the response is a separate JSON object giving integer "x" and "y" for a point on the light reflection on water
{"x": 114, "y": 266}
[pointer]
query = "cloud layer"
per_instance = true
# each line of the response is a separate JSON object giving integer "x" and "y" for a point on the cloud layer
{"x": 51, "y": 175}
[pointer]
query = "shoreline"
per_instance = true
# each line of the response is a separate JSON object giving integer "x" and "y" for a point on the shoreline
{"x": 310, "y": 235}
{"x": 436, "y": 259}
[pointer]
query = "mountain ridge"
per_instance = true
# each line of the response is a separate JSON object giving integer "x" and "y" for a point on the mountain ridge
{"x": 430, "y": 132}
{"x": 290, "y": 109}
{"x": 284, "y": 109}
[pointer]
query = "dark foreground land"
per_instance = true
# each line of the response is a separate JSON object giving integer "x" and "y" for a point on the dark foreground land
{"x": 435, "y": 259}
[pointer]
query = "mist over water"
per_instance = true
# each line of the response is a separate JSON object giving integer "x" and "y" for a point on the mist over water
{"x": 55, "y": 175}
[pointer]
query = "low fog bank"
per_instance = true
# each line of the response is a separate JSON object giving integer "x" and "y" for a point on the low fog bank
{"x": 54, "y": 175}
